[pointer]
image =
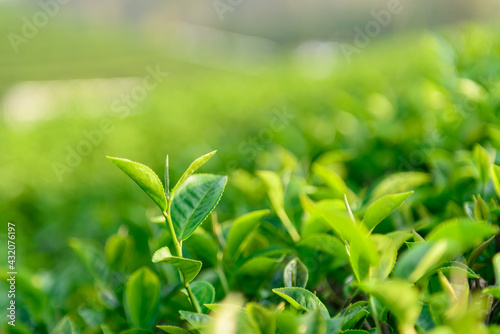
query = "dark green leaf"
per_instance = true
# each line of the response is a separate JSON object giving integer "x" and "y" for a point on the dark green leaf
{"x": 193, "y": 202}
{"x": 295, "y": 274}
{"x": 254, "y": 273}
{"x": 204, "y": 293}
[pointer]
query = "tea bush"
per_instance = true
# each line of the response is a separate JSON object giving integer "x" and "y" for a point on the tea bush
{"x": 372, "y": 207}
{"x": 377, "y": 262}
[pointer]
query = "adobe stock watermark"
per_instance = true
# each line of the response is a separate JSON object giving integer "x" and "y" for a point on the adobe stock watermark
{"x": 121, "y": 108}
{"x": 250, "y": 147}
{"x": 363, "y": 36}
{"x": 223, "y": 6}
{"x": 31, "y": 26}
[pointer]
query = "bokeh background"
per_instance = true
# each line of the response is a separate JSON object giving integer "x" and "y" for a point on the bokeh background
{"x": 256, "y": 80}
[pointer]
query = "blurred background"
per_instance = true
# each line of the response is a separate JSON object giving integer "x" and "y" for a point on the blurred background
{"x": 384, "y": 85}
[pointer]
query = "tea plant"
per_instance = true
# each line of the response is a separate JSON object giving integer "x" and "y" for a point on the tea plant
{"x": 329, "y": 260}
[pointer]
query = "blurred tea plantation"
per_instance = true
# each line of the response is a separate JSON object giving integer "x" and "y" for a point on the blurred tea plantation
{"x": 425, "y": 102}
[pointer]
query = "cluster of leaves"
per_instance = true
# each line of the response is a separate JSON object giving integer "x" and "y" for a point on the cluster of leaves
{"x": 327, "y": 260}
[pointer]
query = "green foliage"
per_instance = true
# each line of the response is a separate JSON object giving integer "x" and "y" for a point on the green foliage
{"x": 142, "y": 294}
{"x": 372, "y": 211}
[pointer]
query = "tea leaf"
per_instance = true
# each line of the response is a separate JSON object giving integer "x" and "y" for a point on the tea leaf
{"x": 462, "y": 233}
{"x": 295, "y": 274}
{"x": 481, "y": 211}
{"x": 172, "y": 330}
{"x": 195, "y": 165}
{"x": 189, "y": 268}
{"x": 419, "y": 259}
{"x": 400, "y": 182}
{"x": 483, "y": 162}
{"x": 145, "y": 178}
{"x": 193, "y": 202}
{"x": 382, "y": 208}
{"x": 204, "y": 293}
{"x": 240, "y": 230}
{"x": 495, "y": 176}
{"x": 302, "y": 300}
{"x": 142, "y": 294}
{"x": 400, "y": 298}
{"x": 196, "y": 320}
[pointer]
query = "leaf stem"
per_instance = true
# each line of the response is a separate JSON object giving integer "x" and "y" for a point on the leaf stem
{"x": 375, "y": 315}
{"x": 194, "y": 302}
{"x": 177, "y": 245}
{"x": 178, "y": 250}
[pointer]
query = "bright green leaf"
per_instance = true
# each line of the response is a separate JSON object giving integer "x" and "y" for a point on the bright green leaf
{"x": 189, "y": 268}
{"x": 355, "y": 234}
{"x": 240, "y": 231}
{"x": 274, "y": 188}
{"x": 419, "y": 259}
{"x": 400, "y": 298}
{"x": 483, "y": 162}
{"x": 399, "y": 183}
{"x": 145, "y": 178}
{"x": 495, "y": 176}
{"x": 463, "y": 234}
{"x": 302, "y": 299}
{"x": 313, "y": 323}
{"x": 481, "y": 211}
{"x": 193, "y": 202}
{"x": 451, "y": 266}
{"x": 142, "y": 293}
{"x": 382, "y": 208}
{"x": 262, "y": 317}
{"x": 193, "y": 168}
{"x": 173, "y": 330}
